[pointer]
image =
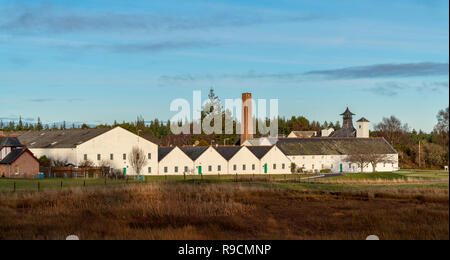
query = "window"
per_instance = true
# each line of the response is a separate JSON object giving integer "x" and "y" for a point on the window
{"x": 186, "y": 169}
{"x": 350, "y": 165}
{"x": 149, "y": 156}
{"x": 234, "y": 167}
{"x": 274, "y": 166}
{"x": 149, "y": 169}
{"x": 244, "y": 167}
{"x": 124, "y": 156}
{"x": 283, "y": 166}
{"x": 176, "y": 169}
{"x": 219, "y": 168}
{"x": 313, "y": 166}
{"x": 166, "y": 169}
{"x": 111, "y": 157}
{"x": 210, "y": 168}
{"x": 323, "y": 166}
{"x": 332, "y": 166}
{"x": 99, "y": 157}
{"x": 253, "y": 167}
{"x": 85, "y": 157}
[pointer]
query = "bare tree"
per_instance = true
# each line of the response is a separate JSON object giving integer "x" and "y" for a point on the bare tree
{"x": 392, "y": 129}
{"x": 365, "y": 158}
{"x": 361, "y": 159}
{"x": 376, "y": 159}
{"x": 442, "y": 127}
{"x": 59, "y": 162}
{"x": 137, "y": 159}
{"x": 86, "y": 164}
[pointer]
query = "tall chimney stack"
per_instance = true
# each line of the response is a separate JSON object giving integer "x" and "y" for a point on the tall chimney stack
{"x": 247, "y": 117}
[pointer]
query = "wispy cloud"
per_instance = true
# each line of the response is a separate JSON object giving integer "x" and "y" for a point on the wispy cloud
{"x": 142, "y": 47}
{"x": 371, "y": 71}
{"x": 41, "y": 100}
{"x": 47, "y": 100}
{"x": 385, "y": 71}
{"x": 392, "y": 89}
{"x": 45, "y": 18}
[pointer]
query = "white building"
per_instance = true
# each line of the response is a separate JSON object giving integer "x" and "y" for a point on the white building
{"x": 363, "y": 128}
{"x": 101, "y": 146}
{"x": 316, "y": 154}
{"x": 263, "y": 141}
{"x": 240, "y": 160}
{"x": 272, "y": 159}
{"x": 207, "y": 160}
{"x": 302, "y": 134}
{"x": 327, "y": 132}
{"x": 173, "y": 161}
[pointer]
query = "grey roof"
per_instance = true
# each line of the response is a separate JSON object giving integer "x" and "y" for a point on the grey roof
{"x": 10, "y": 142}
{"x": 163, "y": 152}
{"x": 344, "y": 132}
{"x": 347, "y": 113}
{"x": 59, "y": 138}
{"x": 363, "y": 120}
{"x": 259, "y": 151}
{"x": 228, "y": 152}
{"x": 335, "y": 146}
{"x": 12, "y": 156}
{"x": 194, "y": 152}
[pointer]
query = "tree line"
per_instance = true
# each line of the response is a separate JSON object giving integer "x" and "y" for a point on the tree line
{"x": 417, "y": 149}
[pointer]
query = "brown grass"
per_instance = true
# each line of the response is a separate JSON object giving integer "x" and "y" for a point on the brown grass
{"x": 224, "y": 211}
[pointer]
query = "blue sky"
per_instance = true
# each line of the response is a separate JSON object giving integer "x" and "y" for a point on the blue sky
{"x": 100, "y": 61}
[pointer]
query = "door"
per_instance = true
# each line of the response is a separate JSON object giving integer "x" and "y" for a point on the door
{"x": 199, "y": 170}
{"x": 265, "y": 168}
{"x": 341, "y": 168}
{"x": 124, "y": 171}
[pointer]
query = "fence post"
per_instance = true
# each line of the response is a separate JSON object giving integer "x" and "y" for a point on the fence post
{"x": 84, "y": 183}
{"x": 61, "y": 185}
{"x": 14, "y": 186}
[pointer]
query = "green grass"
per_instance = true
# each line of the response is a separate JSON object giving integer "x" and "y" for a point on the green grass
{"x": 288, "y": 181}
{"x": 7, "y": 185}
{"x": 371, "y": 176}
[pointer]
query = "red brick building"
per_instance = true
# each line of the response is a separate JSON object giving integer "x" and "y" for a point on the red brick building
{"x": 16, "y": 161}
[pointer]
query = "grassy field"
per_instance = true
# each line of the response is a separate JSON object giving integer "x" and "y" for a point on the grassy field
{"x": 400, "y": 205}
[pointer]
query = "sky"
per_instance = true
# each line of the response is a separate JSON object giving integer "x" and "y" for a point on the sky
{"x": 100, "y": 60}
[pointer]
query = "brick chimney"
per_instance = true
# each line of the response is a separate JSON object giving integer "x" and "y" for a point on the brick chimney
{"x": 247, "y": 117}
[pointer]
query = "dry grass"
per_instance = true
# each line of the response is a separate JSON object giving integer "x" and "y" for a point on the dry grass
{"x": 224, "y": 211}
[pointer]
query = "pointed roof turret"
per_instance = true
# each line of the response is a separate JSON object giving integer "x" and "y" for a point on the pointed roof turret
{"x": 362, "y": 120}
{"x": 347, "y": 113}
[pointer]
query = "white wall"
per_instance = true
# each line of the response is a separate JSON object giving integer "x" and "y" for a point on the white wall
{"x": 362, "y": 129}
{"x": 277, "y": 157}
{"x": 118, "y": 141}
{"x": 61, "y": 154}
{"x": 211, "y": 158}
{"x": 4, "y": 152}
{"x": 176, "y": 158}
{"x": 313, "y": 163}
{"x": 247, "y": 158}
